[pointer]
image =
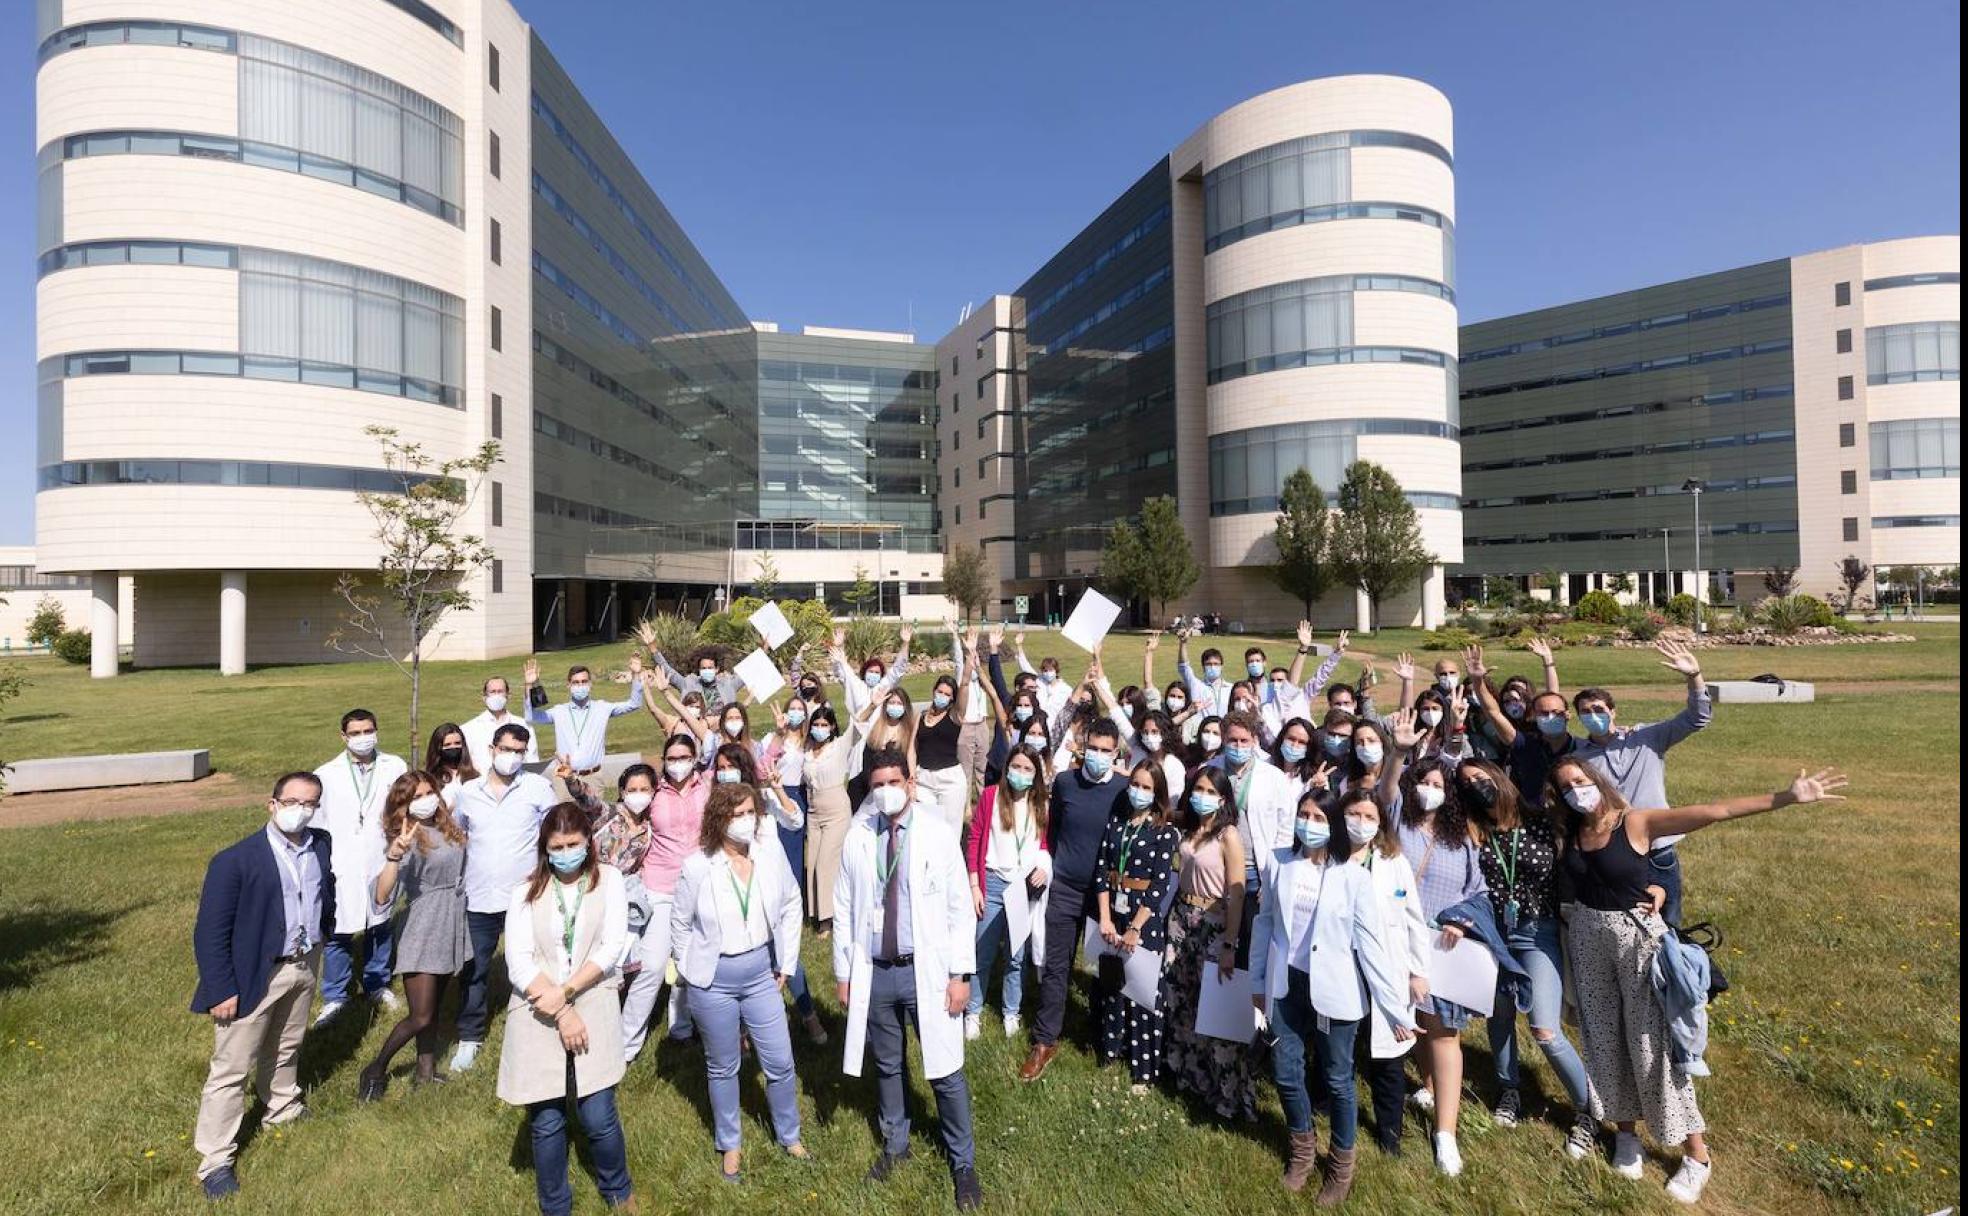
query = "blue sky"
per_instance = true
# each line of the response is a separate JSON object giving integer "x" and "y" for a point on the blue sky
{"x": 880, "y": 164}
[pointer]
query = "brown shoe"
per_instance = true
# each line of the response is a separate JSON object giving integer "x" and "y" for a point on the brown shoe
{"x": 1304, "y": 1155}
{"x": 1339, "y": 1178}
{"x": 1037, "y": 1062}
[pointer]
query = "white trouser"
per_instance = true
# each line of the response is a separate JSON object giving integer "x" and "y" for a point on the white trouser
{"x": 949, "y": 790}
{"x": 647, "y": 984}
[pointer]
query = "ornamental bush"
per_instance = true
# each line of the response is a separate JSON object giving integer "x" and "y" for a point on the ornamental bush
{"x": 1599, "y": 607}
{"x": 73, "y": 646}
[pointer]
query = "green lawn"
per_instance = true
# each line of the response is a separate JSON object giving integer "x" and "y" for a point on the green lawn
{"x": 1837, "y": 1057}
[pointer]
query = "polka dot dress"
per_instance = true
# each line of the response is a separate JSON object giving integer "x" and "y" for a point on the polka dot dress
{"x": 1134, "y": 853}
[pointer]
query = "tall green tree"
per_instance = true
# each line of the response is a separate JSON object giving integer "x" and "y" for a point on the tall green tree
{"x": 1376, "y": 541}
{"x": 1120, "y": 561}
{"x": 1304, "y": 568}
{"x": 1151, "y": 560}
{"x": 1852, "y": 576}
{"x": 861, "y": 592}
{"x": 966, "y": 580}
{"x": 765, "y": 577}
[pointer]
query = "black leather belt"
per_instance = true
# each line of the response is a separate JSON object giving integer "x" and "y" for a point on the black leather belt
{"x": 906, "y": 960}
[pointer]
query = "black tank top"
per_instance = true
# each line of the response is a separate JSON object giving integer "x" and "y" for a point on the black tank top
{"x": 1611, "y": 879}
{"x": 936, "y": 746}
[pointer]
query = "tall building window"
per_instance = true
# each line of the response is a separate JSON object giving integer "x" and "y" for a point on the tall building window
{"x": 1844, "y": 341}
{"x": 1922, "y": 350}
{"x": 492, "y": 153}
{"x": 1851, "y": 528}
{"x": 498, "y": 328}
{"x": 498, "y": 504}
{"x": 1845, "y": 389}
{"x": 498, "y": 416}
{"x": 1848, "y": 481}
{"x": 492, "y": 66}
{"x": 1912, "y": 448}
{"x": 1841, "y": 295}
{"x": 498, "y": 576}
{"x": 1848, "y": 435}
{"x": 330, "y": 323}
{"x": 495, "y": 243}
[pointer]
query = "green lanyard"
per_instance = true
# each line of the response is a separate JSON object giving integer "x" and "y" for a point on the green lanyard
{"x": 744, "y": 896}
{"x": 1019, "y": 838}
{"x": 568, "y": 919}
{"x": 1241, "y": 785}
{"x": 884, "y": 869}
{"x": 1509, "y": 868}
{"x": 1127, "y": 846}
{"x": 362, "y": 785}
{"x": 577, "y": 715}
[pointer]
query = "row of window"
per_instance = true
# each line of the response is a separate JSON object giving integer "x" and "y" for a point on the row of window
{"x": 1922, "y": 350}
{"x": 260, "y": 155}
{"x": 1067, "y": 389}
{"x": 595, "y": 445}
{"x": 1772, "y": 527}
{"x": 443, "y": 25}
{"x": 1132, "y": 295}
{"x": 1071, "y": 431}
{"x": 136, "y": 33}
{"x": 1327, "y": 212}
{"x": 1726, "y": 397}
{"x": 252, "y": 367}
{"x": 137, "y": 253}
{"x": 225, "y": 473}
{"x": 331, "y": 314}
{"x": 1693, "y": 359}
{"x": 1149, "y": 223}
{"x": 809, "y": 372}
{"x": 1666, "y": 489}
{"x": 1707, "y": 312}
{"x": 1300, "y": 324}
{"x": 1282, "y": 360}
{"x": 830, "y": 537}
{"x": 556, "y": 507}
{"x": 1915, "y": 449}
{"x": 1248, "y": 468}
{"x": 27, "y": 578}
{"x": 616, "y": 261}
{"x": 717, "y": 314}
{"x": 1703, "y": 444}
{"x": 622, "y": 329}
{"x": 1913, "y": 280}
{"x": 1916, "y": 521}
{"x": 546, "y": 348}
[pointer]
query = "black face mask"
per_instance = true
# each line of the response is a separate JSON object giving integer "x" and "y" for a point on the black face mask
{"x": 809, "y": 693}
{"x": 451, "y": 755}
{"x": 1479, "y": 794}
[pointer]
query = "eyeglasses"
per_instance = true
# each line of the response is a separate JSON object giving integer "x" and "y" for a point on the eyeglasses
{"x": 302, "y": 803}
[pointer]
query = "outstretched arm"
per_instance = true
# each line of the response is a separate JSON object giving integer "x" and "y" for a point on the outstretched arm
{"x": 1808, "y": 787}
{"x": 1542, "y": 649}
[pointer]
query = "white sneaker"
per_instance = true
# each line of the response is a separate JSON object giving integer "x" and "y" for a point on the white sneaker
{"x": 386, "y": 999}
{"x": 973, "y": 1026}
{"x": 1013, "y": 1024}
{"x": 328, "y": 1013}
{"x": 1627, "y": 1158}
{"x": 1448, "y": 1158}
{"x": 1422, "y": 1099}
{"x": 1687, "y": 1183}
{"x": 1583, "y": 1138}
{"x": 466, "y": 1055}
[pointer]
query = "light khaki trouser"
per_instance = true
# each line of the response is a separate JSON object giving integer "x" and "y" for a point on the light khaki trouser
{"x": 270, "y": 1038}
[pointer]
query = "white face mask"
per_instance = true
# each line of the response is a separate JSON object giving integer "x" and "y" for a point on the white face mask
{"x": 507, "y": 764}
{"x": 1431, "y": 718}
{"x": 638, "y": 800}
{"x": 291, "y": 819}
{"x": 891, "y": 800}
{"x": 1359, "y": 831}
{"x": 496, "y": 702}
{"x": 1448, "y": 680}
{"x": 1151, "y": 743}
{"x": 1430, "y": 796}
{"x": 742, "y": 829}
{"x": 1210, "y": 740}
{"x": 424, "y": 807}
{"x": 679, "y": 770}
{"x": 363, "y": 744}
{"x": 1583, "y": 798}
{"x": 734, "y": 727}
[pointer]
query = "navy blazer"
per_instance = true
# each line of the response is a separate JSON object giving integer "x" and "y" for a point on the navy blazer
{"x": 242, "y": 921}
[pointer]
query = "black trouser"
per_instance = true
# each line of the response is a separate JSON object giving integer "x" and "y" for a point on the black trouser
{"x": 1387, "y": 1080}
{"x": 1064, "y": 922}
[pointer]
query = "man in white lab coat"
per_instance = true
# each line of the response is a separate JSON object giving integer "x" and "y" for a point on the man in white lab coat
{"x": 479, "y": 730}
{"x": 905, "y": 947}
{"x": 354, "y": 787}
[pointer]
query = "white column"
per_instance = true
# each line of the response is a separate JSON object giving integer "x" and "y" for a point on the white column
{"x": 1362, "y": 612}
{"x": 102, "y": 624}
{"x": 232, "y": 622}
{"x": 1434, "y": 598}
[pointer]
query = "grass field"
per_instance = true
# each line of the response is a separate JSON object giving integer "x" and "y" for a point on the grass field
{"x": 1837, "y": 1056}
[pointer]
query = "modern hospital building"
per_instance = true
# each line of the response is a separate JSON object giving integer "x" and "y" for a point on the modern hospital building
{"x": 267, "y": 226}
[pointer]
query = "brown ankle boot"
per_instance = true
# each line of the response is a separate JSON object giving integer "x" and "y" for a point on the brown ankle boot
{"x": 1304, "y": 1156}
{"x": 1339, "y": 1179}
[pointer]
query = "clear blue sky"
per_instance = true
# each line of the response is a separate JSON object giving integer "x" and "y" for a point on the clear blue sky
{"x": 848, "y": 163}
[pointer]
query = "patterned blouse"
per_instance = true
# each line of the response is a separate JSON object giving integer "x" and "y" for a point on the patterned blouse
{"x": 1144, "y": 857}
{"x": 1521, "y": 867}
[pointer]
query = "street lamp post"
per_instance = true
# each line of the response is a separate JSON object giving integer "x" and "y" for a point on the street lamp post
{"x": 1695, "y": 486}
{"x": 1667, "y": 568}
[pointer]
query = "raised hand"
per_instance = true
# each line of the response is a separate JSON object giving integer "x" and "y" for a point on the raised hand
{"x": 646, "y": 633}
{"x": 1321, "y": 776}
{"x": 996, "y": 634}
{"x": 1472, "y": 663}
{"x": 907, "y": 633}
{"x": 1818, "y": 786}
{"x": 1404, "y": 668}
{"x": 1405, "y": 733}
{"x": 1344, "y": 639}
{"x": 657, "y": 678}
{"x": 1677, "y": 657}
{"x": 840, "y": 636}
{"x": 531, "y": 671}
{"x": 404, "y": 840}
{"x": 1458, "y": 712}
{"x": 1305, "y": 634}
{"x": 1369, "y": 675}
{"x": 1154, "y": 639}
{"x": 1540, "y": 648}
{"x": 635, "y": 665}
{"x": 970, "y": 640}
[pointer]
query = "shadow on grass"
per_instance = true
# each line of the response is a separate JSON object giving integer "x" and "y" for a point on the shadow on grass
{"x": 21, "y": 719}
{"x": 37, "y": 941}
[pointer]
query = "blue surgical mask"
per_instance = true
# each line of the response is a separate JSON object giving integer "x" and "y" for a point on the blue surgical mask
{"x": 1139, "y": 798}
{"x": 1212, "y": 671}
{"x": 940, "y": 700}
{"x": 1018, "y": 781}
{"x": 1552, "y": 725}
{"x": 1038, "y": 743}
{"x": 1333, "y": 745}
{"x": 566, "y": 861}
{"x": 1205, "y": 804}
{"x": 1369, "y": 753}
{"x": 872, "y": 677}
{"x": 1313, "y": 834}
{"x": 795, "y": 717}
{"x": 728, "y": 776}
{"x": 820, "y": 732}
{"x": 1239, "y": 753}
{"x": 1292, "y": 752}
{"x": 1047, "y": 677}
{"x": 1022, "y": 714}
{"x": 707, "y": 676}
{"x": 1096, "y": 764}
{"x": 893, "y": 711}
{"x": 1256, "y": 670}
{"x": 580, "y": 692}
{"x": 1596, "y": 723}
{"x": 1513, "y": 710}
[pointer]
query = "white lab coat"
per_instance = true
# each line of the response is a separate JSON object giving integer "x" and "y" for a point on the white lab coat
{"x": 478, "y": 734}
{"x": 1405, "y": 931}
{"x": 1265, "y": 814}
{"x": 1347, "y": 944}
{"x": 697, "y": 936}
{"x": 943, "y": 928}
{"x": 355, "y": 832}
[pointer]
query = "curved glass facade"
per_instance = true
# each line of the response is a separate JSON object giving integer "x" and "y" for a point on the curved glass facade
{"x": 1922, "y": 350}
{"x": 1248, "y": 468}
{"x": 1304, "y": 323}
{"x": 1302, "y": 181}
{"x": 224, "y": 473}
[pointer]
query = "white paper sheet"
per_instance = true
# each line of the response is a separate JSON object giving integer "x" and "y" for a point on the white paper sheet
{"x": 772, "y": 625}
{"x": 1018, "y": 913}
{"x": 1092, "y": 945}
{"x": 1143, "y": 982}
{"x": 760, "y": 675}
{"x": 1466, "y": 974}
{"x": 1225, "y": 1010}
{"x": 1092, "y": 617}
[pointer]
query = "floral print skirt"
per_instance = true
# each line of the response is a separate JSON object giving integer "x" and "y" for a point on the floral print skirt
{"x": 1217, "y": 1071}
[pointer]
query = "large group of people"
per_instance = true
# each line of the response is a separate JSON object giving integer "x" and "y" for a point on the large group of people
{"x": 1277, "y": 836}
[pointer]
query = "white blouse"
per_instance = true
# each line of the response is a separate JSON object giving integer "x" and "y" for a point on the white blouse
{"x": 527, "y": 958}
{"x": 743, "y": 929}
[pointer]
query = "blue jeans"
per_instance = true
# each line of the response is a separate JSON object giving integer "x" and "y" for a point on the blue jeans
{"x": 1534, "y": 944}
{"x": 338, "y": 962}
{"x": 1294, "y": 1022}
{"x": 891, "y": 1007}
{"x": 603, "y": 1129}
{"x": 745, "y": 992}
{"x": 991, "y": 932}
{"x": 794, "y": 842}
{"x": 474, "y": 1011}
{"x": 1666, "y": 865}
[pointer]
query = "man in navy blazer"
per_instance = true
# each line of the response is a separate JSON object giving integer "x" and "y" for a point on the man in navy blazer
{"x": 267, "y": 904}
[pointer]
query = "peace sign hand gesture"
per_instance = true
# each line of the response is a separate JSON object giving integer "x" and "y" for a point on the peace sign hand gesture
{"x": 401, "y": 845}
{"x": 1321, "y": 777}
{"x": 1154, "y": 639}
